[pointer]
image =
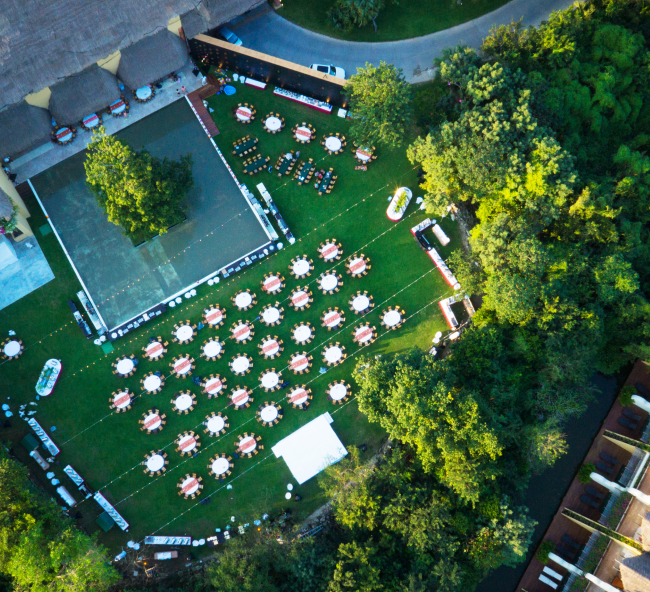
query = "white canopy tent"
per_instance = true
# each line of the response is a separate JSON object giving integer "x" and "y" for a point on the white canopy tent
{"x": 310, "y": 449}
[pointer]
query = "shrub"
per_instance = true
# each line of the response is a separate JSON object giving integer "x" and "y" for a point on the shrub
{"x": 625, "y": 398}
{"x": 544, "y": 549}
{"x": 584, "y": 474}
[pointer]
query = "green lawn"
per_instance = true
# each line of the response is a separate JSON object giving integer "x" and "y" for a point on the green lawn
{"x": 107, "y": 448}
{"x": 407, "y": 19}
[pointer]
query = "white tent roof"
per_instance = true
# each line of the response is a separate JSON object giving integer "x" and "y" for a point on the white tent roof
{"x": 310, "y": 449}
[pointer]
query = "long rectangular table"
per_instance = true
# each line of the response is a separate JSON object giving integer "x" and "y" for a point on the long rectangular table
{"x": 239, "y": 148}
{"x": 286, "y": 163}
{"x": 304, "y": 171}
{"x": 322, "y": 187}
{"x": 252, "y": 166}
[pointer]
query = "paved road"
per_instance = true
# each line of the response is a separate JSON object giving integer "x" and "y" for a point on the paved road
{"x": 276, "y": 36}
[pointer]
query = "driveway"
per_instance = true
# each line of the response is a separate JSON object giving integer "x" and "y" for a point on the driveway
{"x": 278, "y": 37}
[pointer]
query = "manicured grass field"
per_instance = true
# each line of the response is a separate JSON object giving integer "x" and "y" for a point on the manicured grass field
{"x": 107, "y": 448}
{"x": 403, "y": 20}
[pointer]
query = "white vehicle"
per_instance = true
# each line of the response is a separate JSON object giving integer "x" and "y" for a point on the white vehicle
{"x": 331, "y": 70}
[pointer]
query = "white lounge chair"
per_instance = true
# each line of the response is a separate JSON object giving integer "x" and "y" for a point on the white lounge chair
{"x": 551, "y": 583}
{"x": 549, "y": 572}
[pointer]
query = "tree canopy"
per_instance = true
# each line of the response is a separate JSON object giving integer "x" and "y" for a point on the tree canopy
{"x": 380, "y": 104}
{"x": 139, "y": 192}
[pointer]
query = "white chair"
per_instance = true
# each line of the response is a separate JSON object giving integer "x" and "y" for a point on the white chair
{"x": 545, "y": 580}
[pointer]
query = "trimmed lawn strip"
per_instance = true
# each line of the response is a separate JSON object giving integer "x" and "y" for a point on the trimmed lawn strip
{"x": 404, "y": 20}
{"x": 111, "y": 450}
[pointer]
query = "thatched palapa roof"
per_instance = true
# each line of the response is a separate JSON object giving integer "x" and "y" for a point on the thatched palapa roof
{"x": 76, "y": 96}
{"x": 151, "y": 58}
{"x": 42, "y": 42}
{"x": 635, "y": 573}
{"x": 209, "y": 14}
{"x": 23, "y": 127}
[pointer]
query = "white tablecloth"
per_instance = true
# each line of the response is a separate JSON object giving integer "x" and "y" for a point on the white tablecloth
{"x": 11, "y": 349}
{"x": 241, "y": 332}
{"x": 298, "y": 396}
{"x": 183, "y": 366}
{"x": 240, "y": 364}
{"x": 152, "y": 383}
{"x": 357, "y": 266}
{"x": 330, "y": 250}
{"x": 190, "y": 486}
{"x": 301, "y": 267}
{"x": 332, "y": 319}
{"x": 338, "y": 391}
{"x": 269, "y": 413}
{"x": 154, "y": 349}
{"x": 183, "y": 402}
{"x": 187, "y": 443}
{"x": 216, "y": 424}
{"x": 333, "y": 143}
{"x": 240, "y": 397}
{"x": 213, "y": 386}
{"x": 152, "y": 421}
{"x": 220, "y": 466}
{"x": 212, "y": 348}
{"x": 248, "y": 444}
{"x": 329, "y": 282}
{"x": 302, "y": 333}
{"x": 184, "y": 333}
{"x": 121, "y": 400}
{"x": 243, "y": 113}
{"x": 243, "y": 300}
{"x": 143, "y": 93}
{"x": 303, "y": 133}
{"x": 124, "y": 366}
{"x": 272, "y": 284}
{"x": 361, "y": 302}
{"x": 299, "y": 362}
{"x": 273, "y": 123}
{"x": 392, "y": 318}
{"x": 270, "y": 380}
{"x": 362, "y": 156}
{"x": 333, "y": 354}
{"x": 300, "y": 299}
{"x": 155, "y": 462}
{"x": 214, "y": 316}
{"x": 271, "y": 315}
{"x": 362, "y": 334}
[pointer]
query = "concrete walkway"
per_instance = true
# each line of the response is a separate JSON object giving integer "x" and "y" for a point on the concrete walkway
{"x": 278, "y": 37}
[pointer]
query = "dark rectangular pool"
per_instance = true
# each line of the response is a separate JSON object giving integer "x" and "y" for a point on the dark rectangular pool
{"x": 124, "y": 280}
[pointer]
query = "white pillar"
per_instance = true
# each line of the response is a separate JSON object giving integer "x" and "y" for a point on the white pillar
{"x": 566, "y": 565}
{"x": 641, "y": 403}
{"x": 602, "y": 585}
{"x": 644, "y": 498}
{"x": 613, "y": 487}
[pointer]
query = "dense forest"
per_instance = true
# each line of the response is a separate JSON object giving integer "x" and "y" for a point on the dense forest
{"x": 540, "y": 142}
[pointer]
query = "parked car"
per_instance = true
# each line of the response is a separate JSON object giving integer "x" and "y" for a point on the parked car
{"x": 229, "y": 36}
{"x": 331, "y": 70}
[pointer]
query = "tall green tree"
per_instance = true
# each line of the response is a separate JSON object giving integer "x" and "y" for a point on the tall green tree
{"x": 380, "y": 105}
{"x": 348, "y": 14}
{"x": 139, "y": 192}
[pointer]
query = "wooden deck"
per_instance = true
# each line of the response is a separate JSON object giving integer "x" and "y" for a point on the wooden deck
{"x": 561, "y": 525}
{"x": 196, "y": 98}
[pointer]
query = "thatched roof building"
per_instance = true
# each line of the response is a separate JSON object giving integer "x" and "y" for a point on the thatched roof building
{"x": 152, "y": 58}
{"x": 42, "y": 42}
{"x": 23, "y": 127}
{"x": 79, "y": 95}
{"x": 635, "y": 573}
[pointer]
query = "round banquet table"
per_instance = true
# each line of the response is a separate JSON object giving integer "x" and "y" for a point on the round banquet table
{"x": 64, "y": 135}
{"x": 299, "y": 362}
{"x": 117, "y": 107}
{"x": 363, "y": 155}
{"x": 301, "y": 267}
{"x": 212, "y": 348}
{"x": 273, "y": 123}
{"x": 124, "y": 366}
{"x": 153, "y": 421}
{"x": 333, "y": 143}
{"x": 152, "y": 383}
{"x": 392, "y": 318}
{"x": 298, "y": 396}
{"x": 154, "y": 350}
{"x": 215, "y": 424}
{"x": 269, "y": 414}
{"x": 243, "y": 113}
{"x": 143, "y": 93}
{"x": 243, "y": 300}
{"x": 333, "y": 354}
{"x": 240, "y": 397}
{"x": 303, "y": 133}
{"x": 213, "y": 386}
{"x": 357, "y": 266}
{"x": 271, "y": 315}
{"x": 338, "y": 392}
{"x": 361, "y": 302}
{"x": 270, "y": 380}
{"x": 155, "y": 462}
{"x": 270, "y": 347}
{"x": 329, "y": 282}
{"x": 183, "y": 402}
{"x": 11, "y": 348}
{"x": 190, "y": 486}
{"x": 272, "y": 284}
{"x": 214, "y": 316}
{"x": 247, "y": 444}
{"x": 240, "y": 364}
{"x": 183, "y": 366}
{"x": 121, "y": 400}
{"x": 220, "y": 466}
{"x": 302, "y": 333}
{"x": 242, "y": 332}
{"x": 332, "y": 319}
{"x": 91, "y": 120}
{"x": 184, "y": 333}
{"x": 330, "y": 251}
{"x": 187, "y": 443}
{"x": 299, "y": 298}
{"x": 362, "y": 334}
